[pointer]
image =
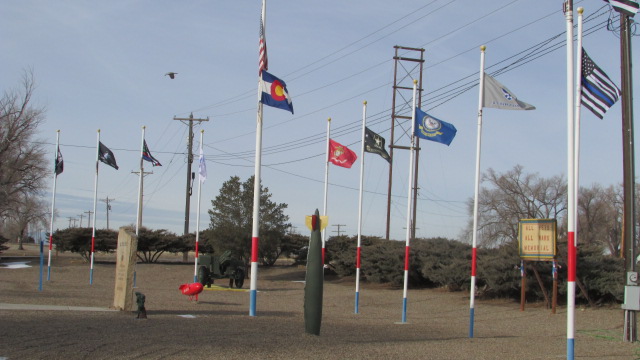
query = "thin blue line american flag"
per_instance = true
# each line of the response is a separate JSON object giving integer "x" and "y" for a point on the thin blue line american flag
{"x": 263, "y": 63}
{"x": 599, "y": 93}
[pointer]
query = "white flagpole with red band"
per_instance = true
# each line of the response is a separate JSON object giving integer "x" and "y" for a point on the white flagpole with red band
{"x": 358, "y": 249}
{"x": 474, "y": 241}
{"x": 200, "y": 181}
{"x": 53, "y": 203}
{"x": 255, "y": 231}
{"x": 95, "y": 201}
{"x": 571, "y": 219}
{"x": 409, "y": 206}
{"x": 326, "y": 184}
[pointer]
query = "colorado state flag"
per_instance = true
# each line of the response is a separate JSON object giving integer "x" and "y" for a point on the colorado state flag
{"x": 430, "y": 128}
{"x": 274, "y": 92}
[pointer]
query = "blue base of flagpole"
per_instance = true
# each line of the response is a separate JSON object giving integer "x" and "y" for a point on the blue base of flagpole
{"x": 570, "y": 349}
{"x": 471, "y": 320}
{"x": 91, "y": 277}
{"x": 195, "y": 278}
{"x": 404, "y": 310}
{"x": 48, "y": 273}
{"x": 357, "y": 300}
{"x": 252, "y": 305}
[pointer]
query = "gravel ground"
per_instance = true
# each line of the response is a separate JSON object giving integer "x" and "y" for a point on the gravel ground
{"x": 219, "y": 326}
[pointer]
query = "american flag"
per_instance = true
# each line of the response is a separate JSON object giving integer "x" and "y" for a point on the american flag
{"x": 599, "y": 93}
{"x": 263, "y": 63}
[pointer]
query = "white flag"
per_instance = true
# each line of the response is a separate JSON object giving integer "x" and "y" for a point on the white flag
{"x": 202, "y": 166}
{"x": 498, "y": 96}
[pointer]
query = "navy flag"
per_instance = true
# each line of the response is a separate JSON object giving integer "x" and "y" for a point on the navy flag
{"x": 598, "y": 93}
{"x": 59, "y": 163}
{"x": 430, "y": 128}
{"x": 146, "y": 155}
{"x": 106, "y": 156}
{"x": 374, "y": 143}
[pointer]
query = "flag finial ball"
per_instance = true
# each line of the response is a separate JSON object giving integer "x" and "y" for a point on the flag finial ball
{"x": 58, "y": 130}
{"x": 98, "y": 130}
{"x": 483, "y": 48}
{"x": 580, "y": 10}
{"x": 143, "y": 127}
{"x": 201, "y": 131}
{"x": 329, "y": 119}
{"x": 365, "y": 102}
{"x": 415, "y": 81}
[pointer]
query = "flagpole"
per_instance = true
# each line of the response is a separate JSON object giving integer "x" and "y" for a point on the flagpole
{"x": 139, "y": 213}
{"x": 576, "y": 121}
{"x": 409, "y": 204}
{"x": 53, "y": 205}
{"x": 358, "y": 250}
{"x": 255, "y": 231}
{"x": 95, "y": 200}
{"x": 571, "y": 243}
{"x": 474, "y": 241}
{"x": 326, "y": 184}
{"x": 195, "y": 269}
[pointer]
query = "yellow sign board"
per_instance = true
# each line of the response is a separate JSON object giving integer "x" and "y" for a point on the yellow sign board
{"x": 537, "y": 239}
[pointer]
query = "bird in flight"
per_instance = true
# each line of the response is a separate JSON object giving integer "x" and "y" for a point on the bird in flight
{"x": 171, "y": 74}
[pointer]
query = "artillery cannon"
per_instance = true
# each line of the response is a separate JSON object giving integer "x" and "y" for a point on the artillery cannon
{"x": 212, "y": 267}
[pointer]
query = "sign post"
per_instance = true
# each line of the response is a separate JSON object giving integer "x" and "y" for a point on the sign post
{"x": 537, "y": 241}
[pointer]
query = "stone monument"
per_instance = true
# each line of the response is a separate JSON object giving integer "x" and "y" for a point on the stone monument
{"x": 123, "y": 298}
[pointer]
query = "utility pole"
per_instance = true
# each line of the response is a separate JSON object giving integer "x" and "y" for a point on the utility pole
{"x": 108, "y": 202}
{"x": 190, "y": 175}
{"x": 81, "y": 216}
{"x": 71, "y": 218}
{"x": 338, "y": 226}
{"x": 628, "y": 149}
{"x": 89, "y": 212}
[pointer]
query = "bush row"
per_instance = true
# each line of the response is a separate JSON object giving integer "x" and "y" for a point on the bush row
{"x": 443, "y": 263}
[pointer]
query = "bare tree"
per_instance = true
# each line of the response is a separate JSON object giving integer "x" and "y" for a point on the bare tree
{"x": 512, "y": 196}
{"x": 600, "y": 217}
{"x": 30, "y": 211}
{"x": 22, "y": 163}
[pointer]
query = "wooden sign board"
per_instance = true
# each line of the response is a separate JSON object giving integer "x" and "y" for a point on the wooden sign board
{"x": 537, "y": 239}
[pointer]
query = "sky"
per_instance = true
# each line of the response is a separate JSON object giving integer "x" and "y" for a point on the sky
{"x": 102, "y": 65}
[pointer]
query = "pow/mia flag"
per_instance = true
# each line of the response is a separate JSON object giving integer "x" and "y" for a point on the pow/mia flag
{"x": 374, "y": 143}
{"x": 106, "y": 156}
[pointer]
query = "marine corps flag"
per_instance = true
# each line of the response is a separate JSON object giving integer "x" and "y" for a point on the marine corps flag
{"x": 341, "y": 155}
{"x": 374, "y": 143}
{"x": 106, "y": 156}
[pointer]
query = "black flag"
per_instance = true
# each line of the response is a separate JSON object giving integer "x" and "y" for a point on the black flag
{"x": 106, "y": 156}
{"x": 59, "y": 165}
{"x": 374, "y": 143}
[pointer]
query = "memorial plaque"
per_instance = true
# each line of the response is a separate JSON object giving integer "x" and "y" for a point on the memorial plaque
{"x": 123, "y": 298}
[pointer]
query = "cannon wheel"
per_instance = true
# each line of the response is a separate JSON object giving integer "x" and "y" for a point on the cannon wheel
{"x": 204, "y": 277}
{"x": 238, "y": 276}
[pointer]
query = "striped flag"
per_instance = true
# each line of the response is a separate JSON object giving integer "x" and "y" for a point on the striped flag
{"x": 627, "y": 7}
{"x": 146, "y": 155}
{"x": 598, "y": 93}
{"x": 263, "y": 63}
